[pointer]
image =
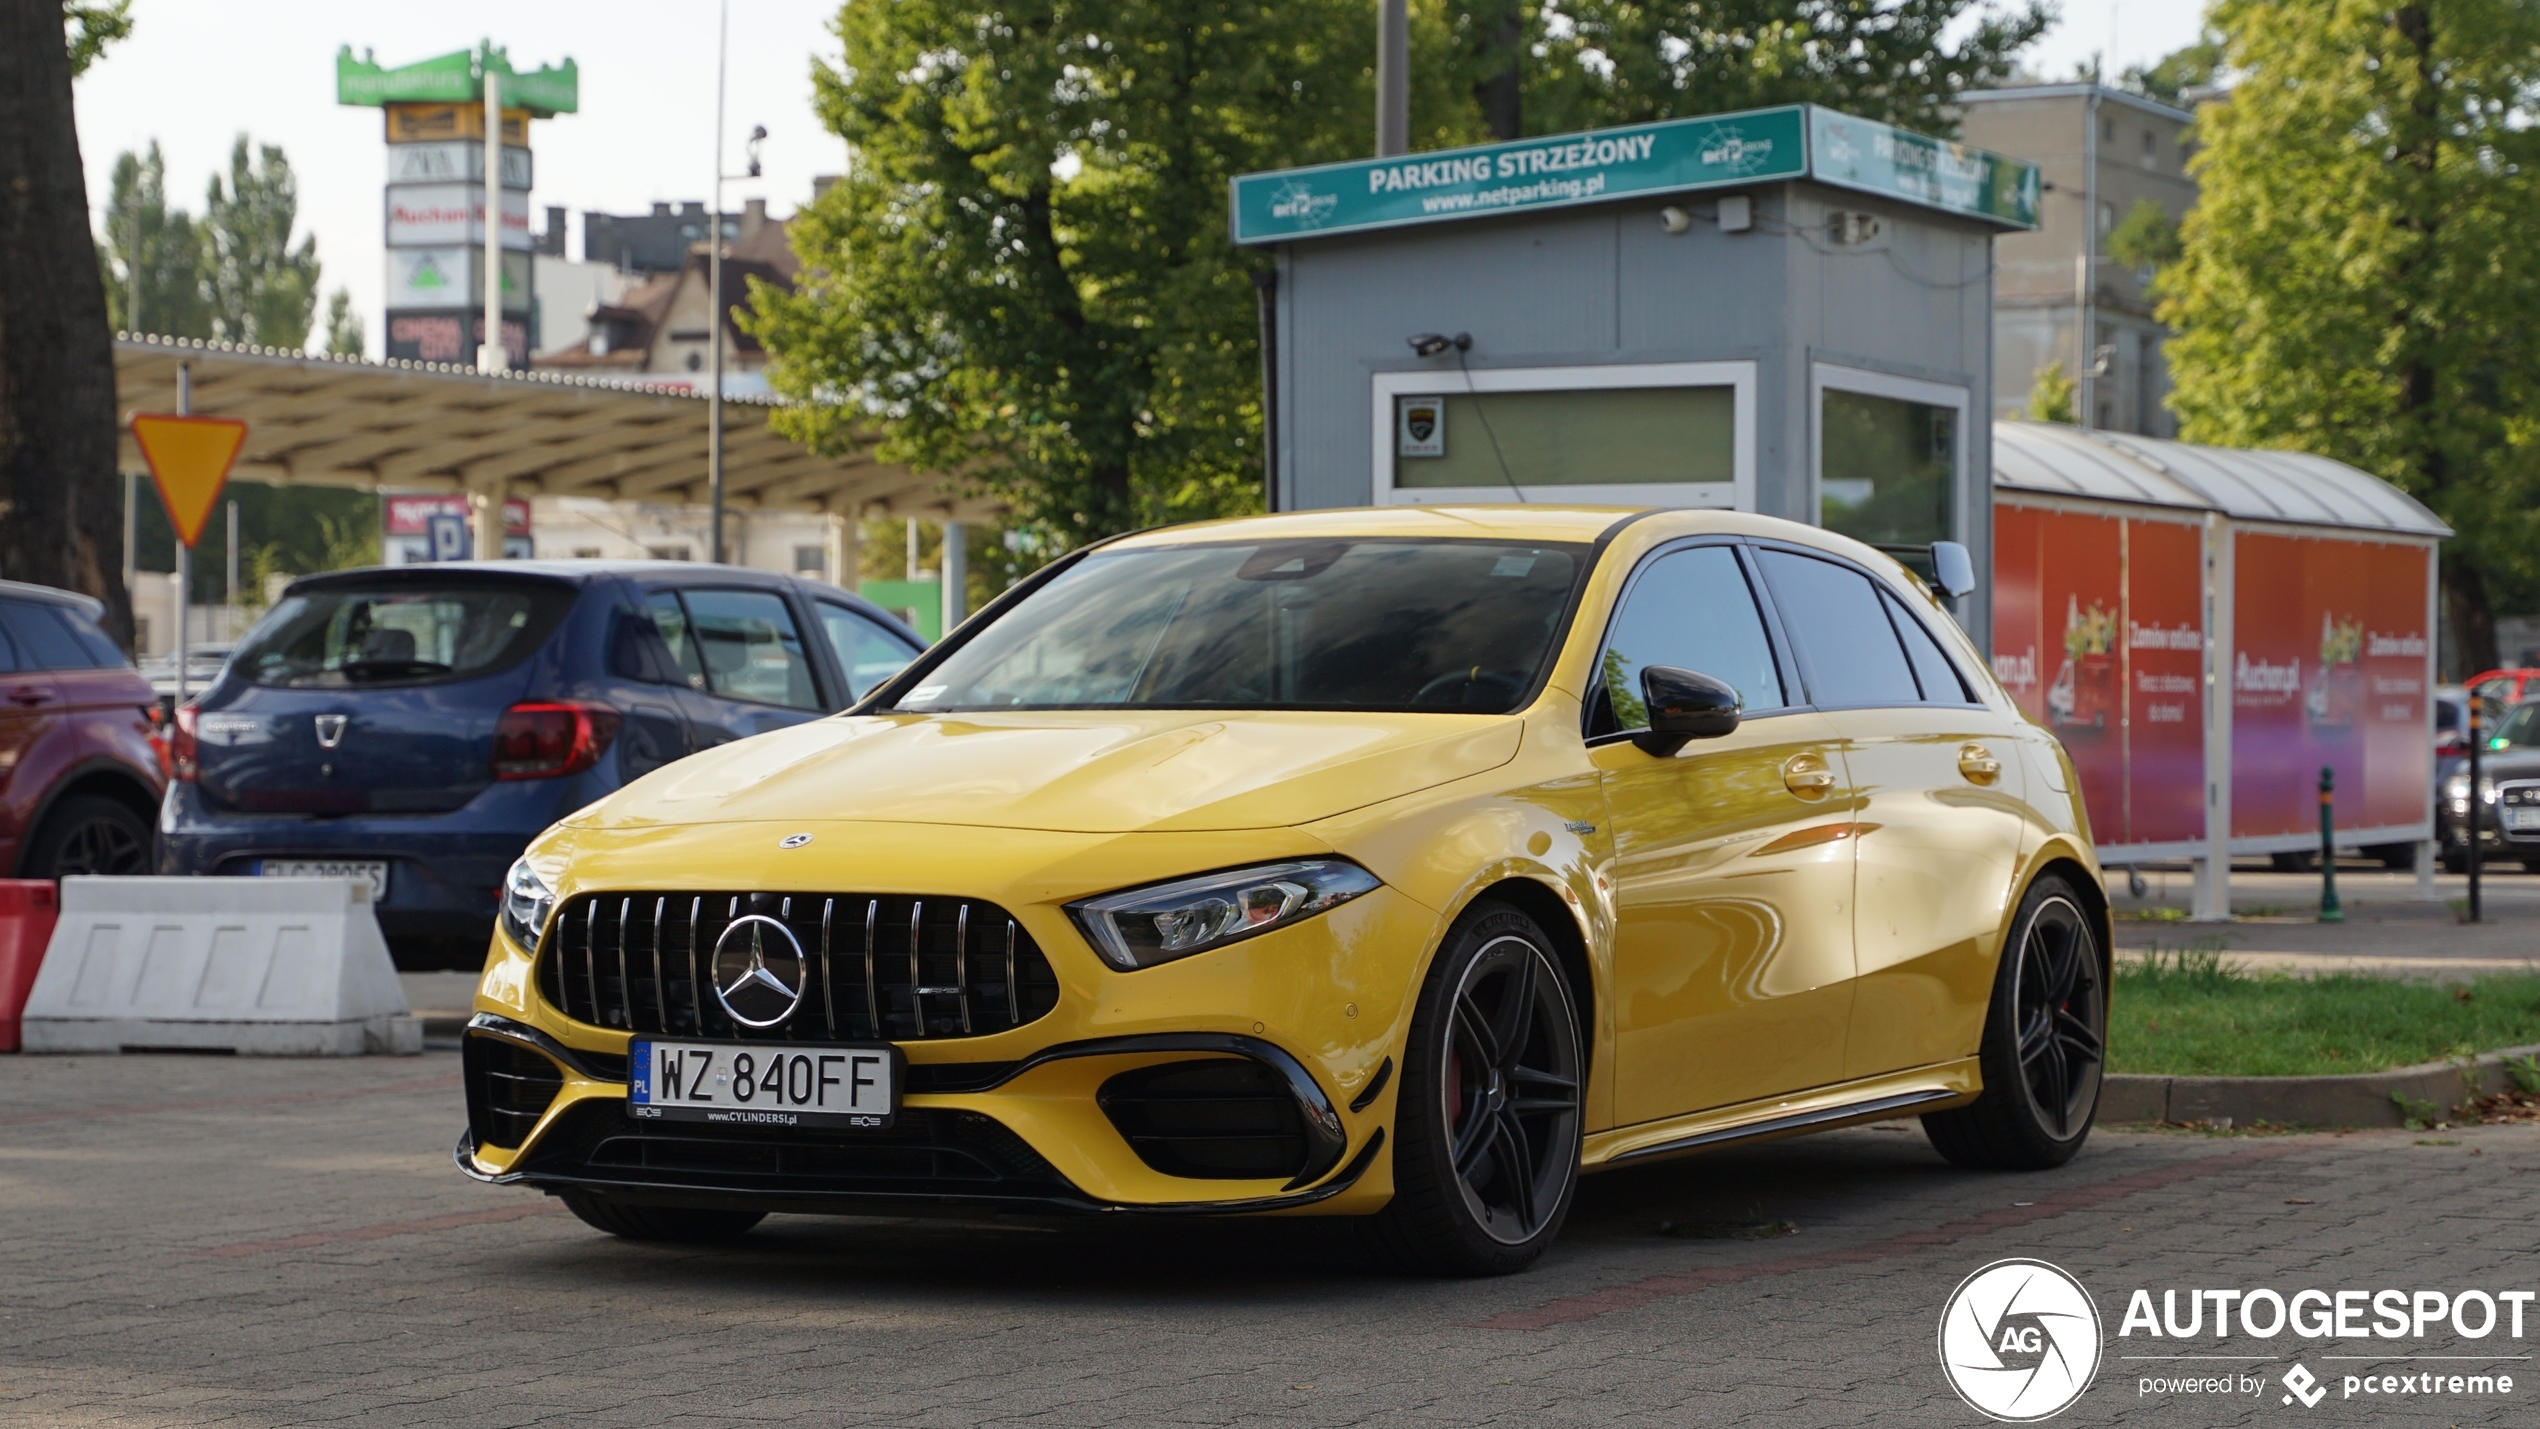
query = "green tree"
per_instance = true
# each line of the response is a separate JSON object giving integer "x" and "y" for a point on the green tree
{"x": 344, "y": 337}
{"x": 1024, "y": 280}
{"x": 2188, "y": 67}
{"x": 89, "y": 29}
{"x": 152, "y": 259}
{"x": 1903, "y": 61}
{"x": 2145, "y": 238}
{"x": 2356, "y": 280}
{"x": 2051, "y": 395}
{"x": 263, "y": 290}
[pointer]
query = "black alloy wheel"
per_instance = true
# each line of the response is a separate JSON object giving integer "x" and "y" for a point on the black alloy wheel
{"x": 1488, "y": 1125}
{"x": 90, "y": 834}
{"x": 2045, "y": 1042}
{"x": 2060, "y": 1021}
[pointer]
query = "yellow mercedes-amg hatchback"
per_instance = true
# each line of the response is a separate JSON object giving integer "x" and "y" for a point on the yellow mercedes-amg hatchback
{"x": 1400, "y": 864}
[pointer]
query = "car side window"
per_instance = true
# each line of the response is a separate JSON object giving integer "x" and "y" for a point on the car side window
{"x": 670, "y": 618}
{"x": 750, "y": 647}
{"x": 45, "y": 642}
{"x": 867, "y": 652}
{"x": 1690, "y": 609}
{"x": 638, "y": 652}
{"x": 1847, "y": 648}
{"x": 1932, "y": 670}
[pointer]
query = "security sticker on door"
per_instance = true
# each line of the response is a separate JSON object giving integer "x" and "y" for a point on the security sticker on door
{"x": 764, "y": 1084}
{"x": 1420, "y": 426}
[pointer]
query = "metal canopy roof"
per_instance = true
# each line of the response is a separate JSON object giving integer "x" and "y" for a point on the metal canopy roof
{"x": 417, "y": 426}
{"x": 2050, "y": 459}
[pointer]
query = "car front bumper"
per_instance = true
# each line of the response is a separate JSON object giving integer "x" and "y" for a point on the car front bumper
{"x": 1014, "y": 1117}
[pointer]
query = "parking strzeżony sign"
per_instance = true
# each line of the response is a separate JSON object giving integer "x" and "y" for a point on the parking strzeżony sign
{"x": 1673, "y": 156}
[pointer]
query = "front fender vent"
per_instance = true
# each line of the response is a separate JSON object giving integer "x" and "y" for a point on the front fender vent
{"x": 878, "y": 967}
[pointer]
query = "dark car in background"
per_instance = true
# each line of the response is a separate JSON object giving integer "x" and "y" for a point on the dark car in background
{"x": 2508, "y": 795}
{"x": 418, "y": 725}
{"x": 79, "y": 774}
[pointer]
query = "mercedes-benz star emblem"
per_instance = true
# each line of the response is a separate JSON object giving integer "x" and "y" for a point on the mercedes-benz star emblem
{"x": 759, "y": 971}
{"x": 793, "y": 841}
{"x": 330, "y": 730}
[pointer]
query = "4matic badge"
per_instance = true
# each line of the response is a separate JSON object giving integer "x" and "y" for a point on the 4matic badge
{"x": 2019, "y": 1340}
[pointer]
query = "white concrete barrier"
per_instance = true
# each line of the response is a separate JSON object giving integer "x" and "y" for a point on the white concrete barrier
{"x": 263, "y": 966}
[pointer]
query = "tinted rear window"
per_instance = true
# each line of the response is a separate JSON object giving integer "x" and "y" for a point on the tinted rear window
{"x": 54, "y": 637}
{"x": 357, "y": 637}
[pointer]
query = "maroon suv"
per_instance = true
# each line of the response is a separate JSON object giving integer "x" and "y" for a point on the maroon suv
{"x": 80, "y": 777}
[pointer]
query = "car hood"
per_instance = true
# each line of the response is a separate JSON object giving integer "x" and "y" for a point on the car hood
{"x": 1081, "y": 772}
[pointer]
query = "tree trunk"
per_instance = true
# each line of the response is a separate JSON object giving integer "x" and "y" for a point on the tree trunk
{"x": 2472, "y": 618}
{"x": 60, "y": 522}
{"x": 1500, "y": 42}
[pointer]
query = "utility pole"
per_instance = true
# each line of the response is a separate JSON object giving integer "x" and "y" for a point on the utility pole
{"x": 184, "y": 553}
{"x": 2086, "y": 319}
{"x": 489, "y": 353}
{"x": 714, "y": 299}
{"x": 1393, "y": 78}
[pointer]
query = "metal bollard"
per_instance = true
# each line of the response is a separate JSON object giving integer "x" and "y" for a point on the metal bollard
{"x": 2477, "y": 800}
{"x": 2329, "y": 911}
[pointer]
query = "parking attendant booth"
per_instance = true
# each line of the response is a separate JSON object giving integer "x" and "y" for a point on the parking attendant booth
{"x": 1786, "y": 311}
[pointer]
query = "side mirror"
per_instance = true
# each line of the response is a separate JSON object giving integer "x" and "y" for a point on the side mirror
{"x": 1683, "y": 706}
{"x": 1953, "y": 569}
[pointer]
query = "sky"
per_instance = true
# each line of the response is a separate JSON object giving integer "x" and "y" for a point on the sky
{"x": 194, "y": 76}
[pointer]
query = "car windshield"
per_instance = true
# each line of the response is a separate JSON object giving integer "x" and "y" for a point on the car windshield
{"x": 1338, "y": 625}
{"x": 338, "y": 637}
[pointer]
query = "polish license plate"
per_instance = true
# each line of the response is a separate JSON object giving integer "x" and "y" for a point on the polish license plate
{"x": 375, "y": 872}
{"x": 764, "y": 1084}
{"x": 2521, "y": 819}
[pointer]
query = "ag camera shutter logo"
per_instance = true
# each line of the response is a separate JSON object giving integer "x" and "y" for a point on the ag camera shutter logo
{"x": 2019, "y": 1340}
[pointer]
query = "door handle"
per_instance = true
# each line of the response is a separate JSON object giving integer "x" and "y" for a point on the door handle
{"x": 1978, "y": 764}
{"x": 28, "y": 695}
{"x": 1807, "y": 776}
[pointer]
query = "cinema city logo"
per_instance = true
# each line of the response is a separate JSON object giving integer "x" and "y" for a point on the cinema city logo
{"x": 2019, "y": 1340}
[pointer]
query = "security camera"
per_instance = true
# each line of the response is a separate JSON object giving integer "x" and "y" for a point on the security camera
{"x": 1674, "y": 219}
{"x": 1429, "y": 344}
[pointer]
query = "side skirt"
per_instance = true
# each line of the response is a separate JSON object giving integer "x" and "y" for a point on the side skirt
{"x": 1921, "y": 1089}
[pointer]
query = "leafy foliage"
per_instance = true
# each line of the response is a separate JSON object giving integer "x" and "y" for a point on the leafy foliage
{"x": 2355, "y": 280}
{"x": 263, "y": 290}
{"x": 2183, "y": 69}
{"x": 231, "y": 274}
{"x": 344, "y": 336}
{"x": 1601, "y": 62}
{"x": 152, "y": 258}
{"x": 2051, "y": 394}
{"x": 1025, "y": 279}
{"x": 294, "y": 530}
{"x": 89, "y": 28}
{"x": 2145, "y": 238}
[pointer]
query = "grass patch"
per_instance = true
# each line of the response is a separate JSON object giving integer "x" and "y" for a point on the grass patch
{"x": 2193, "y": 1012}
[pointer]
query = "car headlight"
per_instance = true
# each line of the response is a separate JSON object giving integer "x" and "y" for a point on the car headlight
{"x": 527, "y": 900}
{"x": 1159, "y": 923}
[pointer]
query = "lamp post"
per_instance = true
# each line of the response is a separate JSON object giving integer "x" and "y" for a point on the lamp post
{"x": 717, "y": 316}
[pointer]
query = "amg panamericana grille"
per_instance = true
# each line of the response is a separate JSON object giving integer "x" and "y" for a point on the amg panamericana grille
{"x": 877, "y": 967}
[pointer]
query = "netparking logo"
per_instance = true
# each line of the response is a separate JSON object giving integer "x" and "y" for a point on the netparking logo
{"x": 2020, "y": 1340}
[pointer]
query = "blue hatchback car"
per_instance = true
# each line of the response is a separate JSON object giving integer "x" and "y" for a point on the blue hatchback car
{"x": 418, "y": 725}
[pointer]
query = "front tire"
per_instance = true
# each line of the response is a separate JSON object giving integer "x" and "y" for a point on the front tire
{"x": 671, "y": 1224}
{"x": 1487, "y": 1126}
{"x": 2045, "y": 1042}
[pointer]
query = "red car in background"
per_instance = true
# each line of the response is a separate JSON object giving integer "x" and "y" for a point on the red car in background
{"x": 80, "y": 778}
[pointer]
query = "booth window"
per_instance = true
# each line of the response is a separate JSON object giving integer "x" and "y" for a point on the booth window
{"x": 1887, "y": 467}
{"x": 1633, "y": 436}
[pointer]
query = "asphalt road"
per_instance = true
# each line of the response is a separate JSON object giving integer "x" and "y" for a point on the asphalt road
{"x": 195, "y": 1240}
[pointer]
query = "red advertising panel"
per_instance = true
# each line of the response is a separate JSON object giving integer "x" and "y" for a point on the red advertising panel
{"x": 2328, "y": 668}
{"x": 2098, "y": 633}
{"x": 2165, "y": 681}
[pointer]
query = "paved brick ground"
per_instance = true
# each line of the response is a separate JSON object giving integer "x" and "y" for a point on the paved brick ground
{"x": 208, "y": 1241}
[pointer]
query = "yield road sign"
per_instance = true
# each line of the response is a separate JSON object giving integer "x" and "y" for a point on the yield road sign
{"x": 189, "y": 461}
